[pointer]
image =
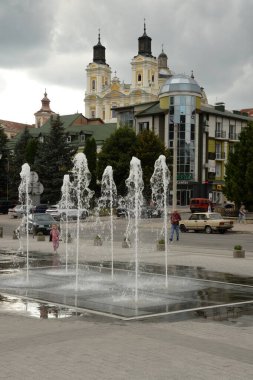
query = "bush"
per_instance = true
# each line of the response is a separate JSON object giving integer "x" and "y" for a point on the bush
{"x": 237, "y": 247}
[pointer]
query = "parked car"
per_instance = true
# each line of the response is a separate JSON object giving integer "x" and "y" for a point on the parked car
{"x": 200, "y": 205}
{"x": 58, "y": 213}
{"x": 41, "y": 208}
{"x": 146, "y": 212}
{"x": 206, "y": 221}
{"x": 54, "y": 211}
{"x": 19, "y": 211}
{"x": 40, "y": 222}
{"x": 5, "y": 205}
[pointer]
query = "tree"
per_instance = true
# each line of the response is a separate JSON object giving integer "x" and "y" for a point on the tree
{"x": 117, "y": 152}
{"x": 90, "y": 151}
{"x": 52, "y": 161}
{"x": 148, "y": 148}
{"x": 239, "y": 170}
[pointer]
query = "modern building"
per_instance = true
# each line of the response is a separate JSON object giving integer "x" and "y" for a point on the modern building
{"x": 206, "y": 134}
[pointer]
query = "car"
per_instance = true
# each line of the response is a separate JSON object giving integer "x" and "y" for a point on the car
{"x": 146, "y": 212}
{"x": 206, "y": 221}
{"x": 72, "y": 213}
{"x": 41, "y": 208}
{"x": 200, "y": 205}
{"x": 54, "y": 211}
{"x": 19, "y": 211}
{"x": 40, "y": 222}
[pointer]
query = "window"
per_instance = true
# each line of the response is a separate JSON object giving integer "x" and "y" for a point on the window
{"x": 68, "y": 139}
{"x": 153, "y": 78}
{"x": 139, "y": 78}
{"x": 82, "y": 137}
{"x": 144, "y": 126}
{"x": 93, "y": 84}
{"x": 93, "y": 113}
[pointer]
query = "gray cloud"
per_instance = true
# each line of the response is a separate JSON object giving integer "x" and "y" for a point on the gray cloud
{"x": 53, "y": 41}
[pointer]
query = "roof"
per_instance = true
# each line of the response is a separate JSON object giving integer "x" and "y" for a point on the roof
{"x": 212, "y": 110}
{"x": 180, "y": 83}
{"x": 14, "y": 127}
{"x": 152, "y": 110}
{"x": 100, "y": 132}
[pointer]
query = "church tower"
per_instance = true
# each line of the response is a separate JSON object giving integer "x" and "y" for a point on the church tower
{"x": 44, "y": 113}
{"x": 145, "y": 69}
{"x": 98, "y": 81}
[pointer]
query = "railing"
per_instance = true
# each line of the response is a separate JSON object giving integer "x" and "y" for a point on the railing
{"x": 220, "y": 134}
{"x": 220, "y": 155}
{"x": 233, "y": 136}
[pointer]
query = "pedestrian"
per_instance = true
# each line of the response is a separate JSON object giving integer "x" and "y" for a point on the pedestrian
{"x": 174, "y": 219}
{"x": 55, "y": 237}
{"x": 242, "y": 214}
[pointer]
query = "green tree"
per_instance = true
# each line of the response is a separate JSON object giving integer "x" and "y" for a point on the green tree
{"x": 148, "y": 148}
{"x": 52, "y": 161}
{"x": 90, "y": 151}
{"x": 117, "y": 152}
{"x": 239, "y": 170}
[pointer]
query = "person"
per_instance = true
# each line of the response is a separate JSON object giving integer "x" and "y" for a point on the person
{"x": 242, "y": 214}
{"x": 55, "y": 237}
{"x": 174, "y": 219}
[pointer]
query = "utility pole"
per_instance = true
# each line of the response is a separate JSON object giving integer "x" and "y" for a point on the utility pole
{"x": 174, "y": 178}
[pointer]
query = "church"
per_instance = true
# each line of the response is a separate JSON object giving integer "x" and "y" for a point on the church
{"x": 104, "y": 92}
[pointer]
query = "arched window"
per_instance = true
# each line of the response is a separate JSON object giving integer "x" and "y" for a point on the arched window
{"x": 93, "y": 84}
{"x": 139, "y": 78}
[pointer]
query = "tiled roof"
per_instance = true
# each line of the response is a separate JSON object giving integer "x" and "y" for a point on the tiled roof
{"x": 14, "y": 127}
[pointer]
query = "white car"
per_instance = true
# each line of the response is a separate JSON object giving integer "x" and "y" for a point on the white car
{"x": 58, "y": 213}
{"x": 206, "y": 221}
{"x": 18, "y": 211}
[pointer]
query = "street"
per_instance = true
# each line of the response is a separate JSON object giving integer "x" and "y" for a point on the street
{"x": 149, "y": 232}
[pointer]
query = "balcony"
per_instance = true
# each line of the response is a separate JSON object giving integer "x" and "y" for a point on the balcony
{"x": 220, "y": 134}
{"x": 233, "y": 136}
{"x": 220, "y": 155}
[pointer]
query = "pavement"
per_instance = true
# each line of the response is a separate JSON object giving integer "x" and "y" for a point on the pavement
{"x": 95, "y": 347}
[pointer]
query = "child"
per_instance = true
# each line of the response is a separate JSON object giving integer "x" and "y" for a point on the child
{"x": 54, "y": 237}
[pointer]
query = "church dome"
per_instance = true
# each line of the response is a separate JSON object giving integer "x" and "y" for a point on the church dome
{"x": 180, "y": 83}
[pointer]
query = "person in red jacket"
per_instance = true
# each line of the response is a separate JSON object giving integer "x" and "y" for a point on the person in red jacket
{"x": 174, "y": 219}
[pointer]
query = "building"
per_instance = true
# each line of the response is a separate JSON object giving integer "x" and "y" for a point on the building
{"x": 44, "y": 113}
{"x": 77, "y": 129}
{"x": 206, "y": 134}
{"x": 104, "y": 92}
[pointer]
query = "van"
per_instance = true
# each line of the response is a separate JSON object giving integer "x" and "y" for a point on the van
{"x": 200, "y": 205}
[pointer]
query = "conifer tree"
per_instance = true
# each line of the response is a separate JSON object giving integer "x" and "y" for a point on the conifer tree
{"x": 52, "y": 161}
{"x": 3, "y": 164}
{"x": 90, "y": 151}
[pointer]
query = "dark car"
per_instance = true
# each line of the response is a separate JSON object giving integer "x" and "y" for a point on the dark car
{"x": 41, "y": 208}
{"x": 40, "y": 222}
{"x": 5, "y": 205}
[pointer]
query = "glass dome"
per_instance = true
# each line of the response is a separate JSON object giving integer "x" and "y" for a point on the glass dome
{"x": 180, "y": 83}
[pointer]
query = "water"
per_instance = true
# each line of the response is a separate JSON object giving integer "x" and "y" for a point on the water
{"x": 81, "y": 196}
{"x": 134, "y": 198}
{"x": 160, "y": 184}
{"x": 24, "y": 199}
{"x": 108, "y": 198}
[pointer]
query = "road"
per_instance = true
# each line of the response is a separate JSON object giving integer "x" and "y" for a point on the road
{"x": 149, "y": 232}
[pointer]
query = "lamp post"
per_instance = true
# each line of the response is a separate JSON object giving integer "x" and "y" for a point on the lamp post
{"x": 174, "y": 178}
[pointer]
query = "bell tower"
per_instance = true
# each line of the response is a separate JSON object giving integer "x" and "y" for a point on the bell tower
{"x": 98, "y": 80}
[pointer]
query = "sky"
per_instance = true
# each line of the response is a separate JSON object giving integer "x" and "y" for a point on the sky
{"x": 48, "y": 45}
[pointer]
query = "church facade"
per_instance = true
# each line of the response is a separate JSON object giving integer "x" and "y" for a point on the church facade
{"x": 104, "y": 92}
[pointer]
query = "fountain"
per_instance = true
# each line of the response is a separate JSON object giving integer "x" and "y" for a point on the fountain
{"x": 126, "y": 289}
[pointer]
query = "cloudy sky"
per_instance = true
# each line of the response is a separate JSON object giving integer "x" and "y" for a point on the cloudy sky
{"x": 48, "y": 44}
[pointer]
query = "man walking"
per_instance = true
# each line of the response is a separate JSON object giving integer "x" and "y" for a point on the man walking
{"x": 174, "y": 219}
